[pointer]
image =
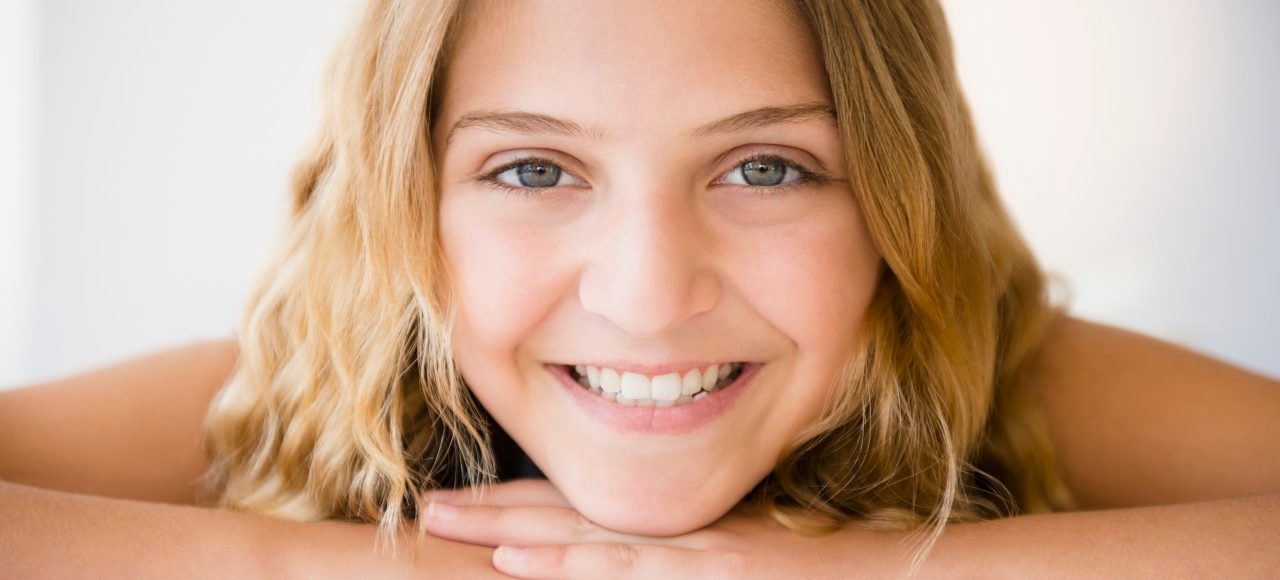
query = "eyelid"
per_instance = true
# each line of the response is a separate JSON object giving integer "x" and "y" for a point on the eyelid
{"x": 792, "y": 155}
{"x": 490, "y": 176}
{"x": 808, "y": 174}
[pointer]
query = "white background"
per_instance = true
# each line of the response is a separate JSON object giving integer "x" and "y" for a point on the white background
{"x": 146, "y": 145}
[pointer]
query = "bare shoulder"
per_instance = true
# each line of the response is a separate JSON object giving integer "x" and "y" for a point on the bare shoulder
{"x": 1137, "y": 420}
{"x": 132, "y": 429}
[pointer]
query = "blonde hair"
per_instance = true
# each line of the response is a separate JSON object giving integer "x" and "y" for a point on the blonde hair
{"x": 346, "y": 402}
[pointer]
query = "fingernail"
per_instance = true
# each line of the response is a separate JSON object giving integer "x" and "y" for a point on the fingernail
{"x": 441, "y": 511}
{"x": 512, "y": 554}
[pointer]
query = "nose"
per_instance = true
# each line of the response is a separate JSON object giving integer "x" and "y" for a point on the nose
{"x": 650, "y": 270}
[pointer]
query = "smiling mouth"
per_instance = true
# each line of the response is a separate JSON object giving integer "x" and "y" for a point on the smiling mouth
{"x": 672, "y": 389}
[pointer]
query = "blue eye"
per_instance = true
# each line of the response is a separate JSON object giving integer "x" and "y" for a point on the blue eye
{"x": 532, "y": 173}
{"x": 766, "y": 171}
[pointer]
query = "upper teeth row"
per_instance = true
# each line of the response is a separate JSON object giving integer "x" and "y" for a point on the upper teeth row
{"x": 667, "y": 388}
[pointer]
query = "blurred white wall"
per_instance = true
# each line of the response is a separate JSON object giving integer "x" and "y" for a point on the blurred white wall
{"x": 1136, "y": 144}
{"x": 147, "y": 144}
{"x": 17, "y": 168}
{"x": 163, "y": 135}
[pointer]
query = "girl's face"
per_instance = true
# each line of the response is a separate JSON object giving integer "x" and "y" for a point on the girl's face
{"x": 650, "y": 191}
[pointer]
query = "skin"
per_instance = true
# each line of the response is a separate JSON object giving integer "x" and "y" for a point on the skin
{"x": 650, "y": 248}
{"x": 1117, "y": 404}
{"x": 1135, "y": 421}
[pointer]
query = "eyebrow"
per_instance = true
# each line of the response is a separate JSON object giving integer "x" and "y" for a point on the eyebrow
{"x": 539, "y": 124}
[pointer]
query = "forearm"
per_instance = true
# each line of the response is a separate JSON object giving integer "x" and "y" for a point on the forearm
{"x": 54, "y": 534}
{"x": 1237, "y": 538}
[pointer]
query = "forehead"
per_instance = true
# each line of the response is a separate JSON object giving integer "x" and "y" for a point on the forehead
{"x": 631, "y": 67}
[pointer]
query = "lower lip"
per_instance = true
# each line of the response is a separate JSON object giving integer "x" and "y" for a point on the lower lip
{"x": 674, "y": 420}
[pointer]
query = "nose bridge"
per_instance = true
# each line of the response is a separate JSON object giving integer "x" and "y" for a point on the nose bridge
{"x": 650, "y": 271}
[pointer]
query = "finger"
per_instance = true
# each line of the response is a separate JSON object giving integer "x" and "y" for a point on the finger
{"x": 519, "y": 492}
{"x": 515, "y": 526}
{"x": 621, "y": 561}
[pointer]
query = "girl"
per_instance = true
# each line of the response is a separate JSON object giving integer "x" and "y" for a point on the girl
{"x": 732, "y": 276}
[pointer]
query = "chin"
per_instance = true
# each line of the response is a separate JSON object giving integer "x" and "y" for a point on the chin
{"x": 650, "y": 516}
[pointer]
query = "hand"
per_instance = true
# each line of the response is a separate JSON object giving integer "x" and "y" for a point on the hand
{"x": 539, "y": 535}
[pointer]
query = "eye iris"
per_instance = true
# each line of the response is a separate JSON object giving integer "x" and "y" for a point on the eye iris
{"x": 764, "y": 172}
{"x": 538, "y": 174}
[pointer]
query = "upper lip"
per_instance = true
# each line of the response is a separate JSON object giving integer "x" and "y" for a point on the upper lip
{"x": 657, "y": 369}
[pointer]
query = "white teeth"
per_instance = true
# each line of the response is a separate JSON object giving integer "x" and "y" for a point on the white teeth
{"x": 635, "y": 386}
{"x": 691, "y": 383}
{"x": 609, "y": 381}
{"x": 634, "y": 389}
{"x": 709, "y": 377}
{"x": 665, "y": 387}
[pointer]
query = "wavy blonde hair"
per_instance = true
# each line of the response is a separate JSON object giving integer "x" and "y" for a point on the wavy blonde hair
{"x": 346, "y": 402}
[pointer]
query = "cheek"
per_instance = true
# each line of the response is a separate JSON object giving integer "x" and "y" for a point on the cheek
{"x": 812, "y": 282}
{"x": 502, "y": 282}
{"x": 815, "y": 279}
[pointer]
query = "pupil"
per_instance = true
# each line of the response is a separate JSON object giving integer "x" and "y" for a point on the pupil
{"x": 538, "y": 175}
{"x": 763, "y": 172}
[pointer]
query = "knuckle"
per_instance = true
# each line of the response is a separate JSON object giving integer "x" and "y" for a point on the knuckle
{"x": 578, "y": 524}
{"x": 561, "y": 559}
{"x": 625, "y": 556}
{"x": 582, "y": 561}
{"x": 503, "y": 520}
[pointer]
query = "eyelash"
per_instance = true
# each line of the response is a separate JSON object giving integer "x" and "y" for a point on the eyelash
{"x": 807, "y": 177}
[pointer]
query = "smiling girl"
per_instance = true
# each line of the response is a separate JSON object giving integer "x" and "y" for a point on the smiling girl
{"x": 732, "y": 276}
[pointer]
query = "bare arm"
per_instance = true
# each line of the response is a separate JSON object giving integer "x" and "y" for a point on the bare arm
{"x": 50, "y": 534}
{"x": 128, "y": 430}
{"x": 1138, "y": 421}
{"x": 132, "y": 431}
{"x": 1229, "y": 538}
{"x": 1176, "y": 451}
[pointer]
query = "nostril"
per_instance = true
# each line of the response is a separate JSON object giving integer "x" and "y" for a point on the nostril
{"x": 649, "y": 298}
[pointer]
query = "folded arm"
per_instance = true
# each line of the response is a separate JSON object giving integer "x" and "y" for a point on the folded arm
{"x": 1173, "y": 451}
{"x": 51, "y": 534}
{"x": 1230, "y": 538}
{"x": 100, "y": 476}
